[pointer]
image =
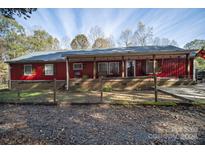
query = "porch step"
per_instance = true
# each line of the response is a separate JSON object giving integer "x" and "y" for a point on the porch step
{"x": 62, "y": 86}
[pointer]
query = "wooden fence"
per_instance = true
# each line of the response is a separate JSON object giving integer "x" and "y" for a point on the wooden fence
{"x": 51, "y": 96}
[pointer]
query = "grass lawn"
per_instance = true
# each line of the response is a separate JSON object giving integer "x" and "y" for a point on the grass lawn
{"x": 199, "y": 102}
{"x": 26, "y": 96}
{"x": 114, "y": 97}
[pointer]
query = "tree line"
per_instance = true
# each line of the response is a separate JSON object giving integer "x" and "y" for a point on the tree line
{"x": 14, "y": 41}
{"x": 141, "y": 36}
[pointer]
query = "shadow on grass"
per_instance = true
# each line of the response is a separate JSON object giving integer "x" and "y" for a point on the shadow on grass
{"x": 26, "y": 96}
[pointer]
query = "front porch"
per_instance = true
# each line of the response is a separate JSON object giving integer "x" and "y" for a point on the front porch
{"x": 134, "y": 70}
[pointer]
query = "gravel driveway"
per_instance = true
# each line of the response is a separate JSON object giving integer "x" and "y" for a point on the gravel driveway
{"x": 102, "y": 124}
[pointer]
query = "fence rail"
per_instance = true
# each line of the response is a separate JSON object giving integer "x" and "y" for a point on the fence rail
{"x": 28, "y": 96}
{"x": 54, "y": 95}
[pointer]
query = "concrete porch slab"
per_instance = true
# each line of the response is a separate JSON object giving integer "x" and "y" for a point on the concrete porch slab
{"x": 194, "y": 93}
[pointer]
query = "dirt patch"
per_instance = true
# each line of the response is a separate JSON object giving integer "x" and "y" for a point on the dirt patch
{"x": 119, "y": 97}
{"x": 102, "y": 124}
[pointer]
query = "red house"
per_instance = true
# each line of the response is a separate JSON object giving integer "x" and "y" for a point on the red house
{"x": 113, "y": 63}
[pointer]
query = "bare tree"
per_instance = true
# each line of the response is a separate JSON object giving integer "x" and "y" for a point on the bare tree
{"x": 111, "y": 41}
{"x": 174, "y": 43}
{"x": 64, "y": 43}
{"x": 95, "y": 32}
{"x": 142, "y": 35}
{"x": 125, "y": 38}
{"x": 165, "y": 41}
{"x": 101, "y": 43}
{"x": 156, "y": 41}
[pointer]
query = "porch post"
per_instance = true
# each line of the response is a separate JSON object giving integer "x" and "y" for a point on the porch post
{"x": 123, "y": 67}
{"x": 67, "y": 73}
{"x": 194, "y": 70}
{"x": 155, "y": 77}
{"x": 94, "y": 68}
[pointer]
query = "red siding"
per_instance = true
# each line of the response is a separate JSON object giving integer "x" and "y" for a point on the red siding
{"x": 173, "y": 68}
{"x": 169, "y": 68}
{"x": 17, "y": 72}
{"x": 140, "y": 67}
{"x": 87, "y": 70}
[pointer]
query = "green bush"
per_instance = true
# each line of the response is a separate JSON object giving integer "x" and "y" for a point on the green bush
{"x": 107, "y": 88}
{"x": 84, "y": 77}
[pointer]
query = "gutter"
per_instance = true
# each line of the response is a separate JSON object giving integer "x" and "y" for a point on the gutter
{"x": 129, "y": 54}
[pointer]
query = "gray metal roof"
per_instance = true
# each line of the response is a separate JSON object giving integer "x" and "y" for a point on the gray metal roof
{"x": 127, "y": 50}
{"x": 40, "y": 56}
{"x": 60, "y": 55}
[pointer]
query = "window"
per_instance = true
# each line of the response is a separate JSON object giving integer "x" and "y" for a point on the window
{"x": 77, "y": 66}
{"x": 108, "y": 68}
{"x": 103, "y": 68}
{"x": 114, "y": 68}
{"x": 149, "y": 67}
{"x": 27, "y": 69}
{"x": 48, "y": 69}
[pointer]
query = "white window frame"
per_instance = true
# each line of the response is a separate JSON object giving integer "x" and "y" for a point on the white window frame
{"x": 118, "y": 68}
{"x": 103, "y": 63}
{"x": 48, "y": 74}
{"x": 77, "y": 69}
{"x": 25, "y": 69}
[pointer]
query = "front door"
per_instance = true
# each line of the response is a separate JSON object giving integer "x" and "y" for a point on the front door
{"x": 130, "y": 65}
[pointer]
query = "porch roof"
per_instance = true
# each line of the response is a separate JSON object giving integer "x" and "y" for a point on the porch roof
{"x": 60, "y": 55}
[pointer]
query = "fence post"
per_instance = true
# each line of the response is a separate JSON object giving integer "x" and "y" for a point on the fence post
{"x": 9, "y": 77}
{"x": 101, "y": 89}
{"x": 155, "y": 88}
{"x": 9, "y": 84}
{"x": 155, "y": 77}
{"x": 54, "y": 91}
{"x": 18, "y": 95}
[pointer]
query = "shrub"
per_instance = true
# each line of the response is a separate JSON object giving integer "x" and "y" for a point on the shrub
{"x": 107, "y": 88}
{"x": 85, "y": 77}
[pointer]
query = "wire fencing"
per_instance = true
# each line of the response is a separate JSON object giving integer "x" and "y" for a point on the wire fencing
{"x": 20, "y": 95}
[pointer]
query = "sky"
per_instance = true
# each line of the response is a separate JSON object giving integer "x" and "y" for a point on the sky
{"x": 182, "y": 25}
